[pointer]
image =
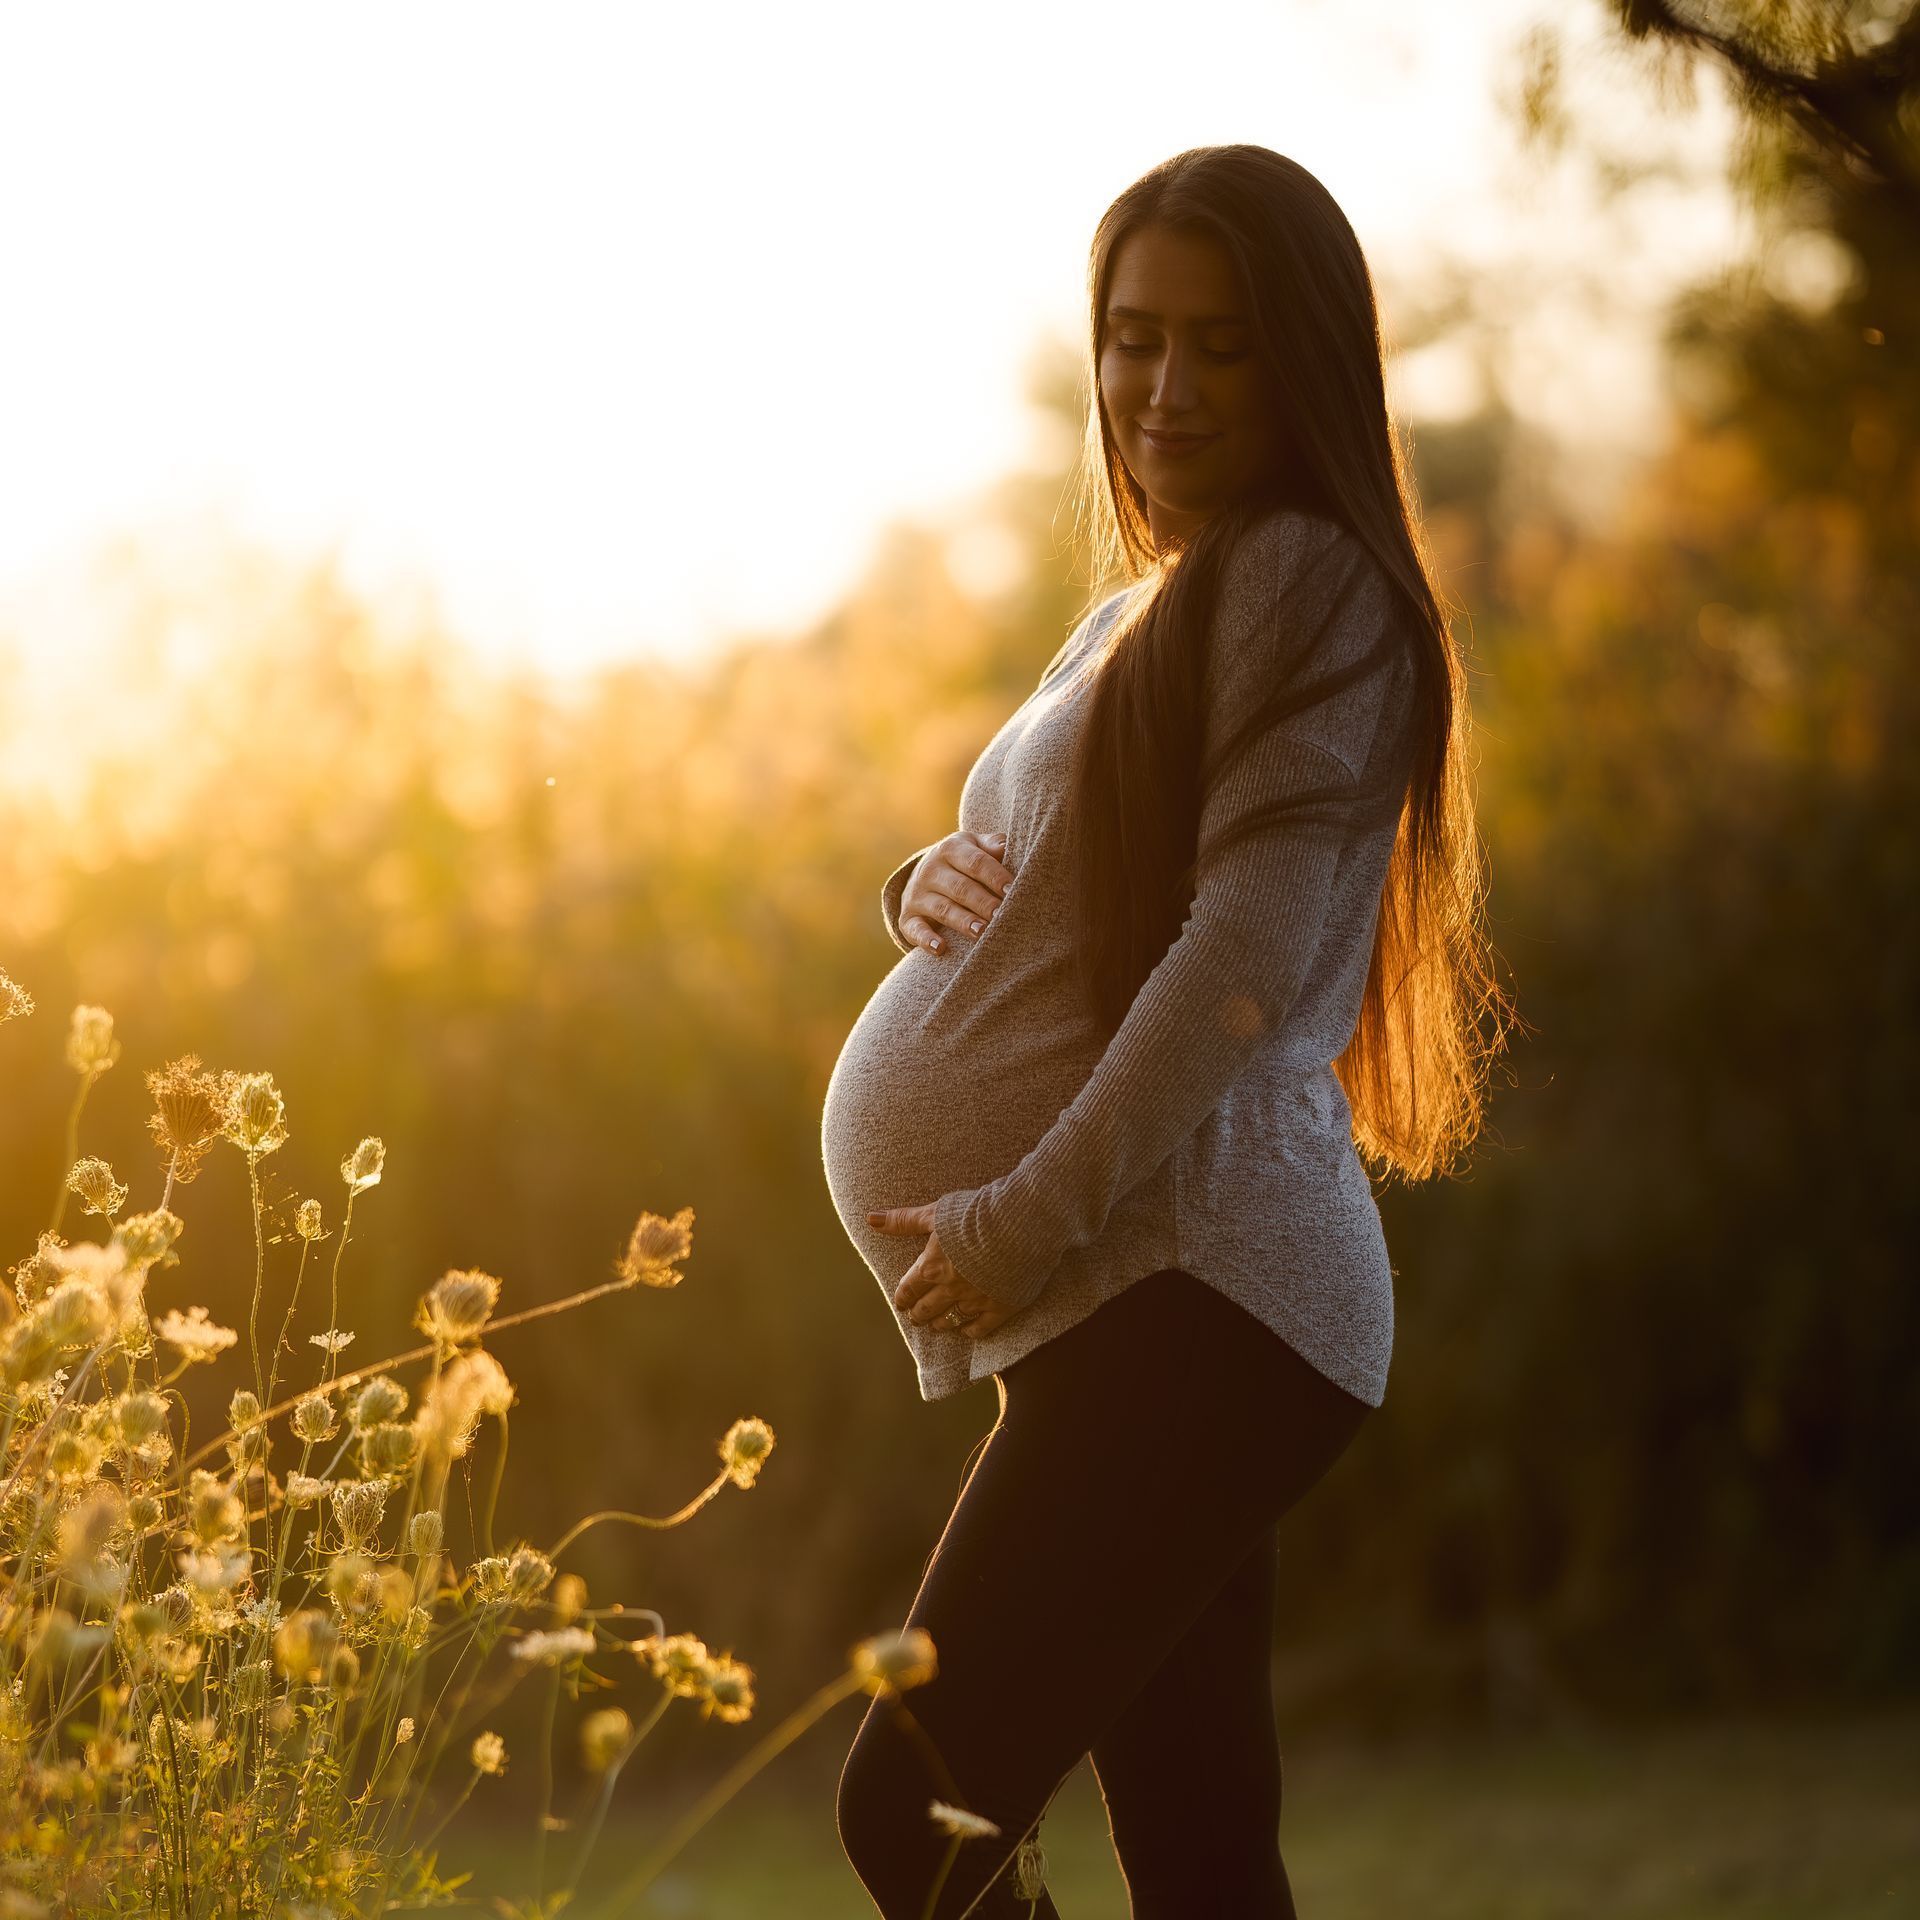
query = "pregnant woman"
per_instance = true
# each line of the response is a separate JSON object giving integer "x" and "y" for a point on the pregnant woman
{"x": 1208, "y": 932}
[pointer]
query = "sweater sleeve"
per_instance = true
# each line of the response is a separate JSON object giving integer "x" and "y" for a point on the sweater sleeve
{"x": 892, "y": 888}
{"x": 1295, "y": 589}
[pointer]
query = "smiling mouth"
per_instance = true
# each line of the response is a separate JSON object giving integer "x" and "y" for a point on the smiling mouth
{"x": 1176, "y": 442}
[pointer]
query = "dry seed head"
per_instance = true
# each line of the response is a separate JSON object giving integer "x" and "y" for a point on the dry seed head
{"x": 654, "y": 1247}
{"x": 603, "y": 1738}
{"x": 91, "y": 1047}
{"x": 92, "y": 1179}
{"x": 900, "y": 1660}
{"x": 40, "y": 1272}
{"x": 332, "y": 1341}
{"x": 456, "y": 1306}
{"x": 189, "y": 1107}
{"x": 214, "y": 1512}
{"x": 306, "y": 1222}
{"x": 303, "y": 1489}
{"x": 313, "y": 1418}
{"x": 144, "y": 1511}
{"x": 745, "y": 1448}
{"x": 358, "y": 1506}
{"x": 139, "y": 1416}
{"x": 256, "y": 1114}
{"x": 382, "y": 1398}
{"x": 15, "y": 1001}
{"x": 568, "y": 1598}
{"x": 529, "y": 1572}
{"x": 489, "y": 1753}
{"x": 243, "y": 1410}
{"x": 404, "y": 1731}
{"x": 387, "y": 1448}
{"x": 361, "y": 1168}
{"x": 343, "y": 1670}
{"x": 424, "y": 1531}
{"x": 193, "y": 1334}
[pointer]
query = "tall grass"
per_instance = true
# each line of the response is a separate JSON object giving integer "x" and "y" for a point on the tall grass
{"x": 255, "y": 1677}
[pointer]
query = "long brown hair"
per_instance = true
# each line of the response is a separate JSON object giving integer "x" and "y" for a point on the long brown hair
{"x": 1414, "y": 1072}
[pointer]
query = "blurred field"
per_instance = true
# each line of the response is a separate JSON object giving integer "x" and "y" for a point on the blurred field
{"x": 1760, "y": 1818}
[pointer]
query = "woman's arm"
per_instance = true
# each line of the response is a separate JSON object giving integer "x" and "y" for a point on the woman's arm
{"x": 1256, "y": 920}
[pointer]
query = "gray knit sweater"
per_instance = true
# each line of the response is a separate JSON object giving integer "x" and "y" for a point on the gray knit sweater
{"x": 1211, "y": 1132}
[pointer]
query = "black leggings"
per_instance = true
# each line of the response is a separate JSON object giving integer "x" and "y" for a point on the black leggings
{"x": 1105, "y": 1585}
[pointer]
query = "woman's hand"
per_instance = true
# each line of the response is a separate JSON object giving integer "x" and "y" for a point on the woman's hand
{"x": 957, "y": 884}
{"x": 930, "y": 1286}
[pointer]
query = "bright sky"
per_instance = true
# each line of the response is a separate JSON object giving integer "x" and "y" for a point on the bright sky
{"x": 626, "y": 325}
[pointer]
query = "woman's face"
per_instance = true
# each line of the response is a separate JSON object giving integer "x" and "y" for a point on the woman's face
{"x": 1178, "y": 353}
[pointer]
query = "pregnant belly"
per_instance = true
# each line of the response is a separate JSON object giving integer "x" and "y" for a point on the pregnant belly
{"x": 936, "y": 1089}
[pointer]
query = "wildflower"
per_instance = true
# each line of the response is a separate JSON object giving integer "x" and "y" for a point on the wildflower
{"x": 305, "y": 1644}
{"x": 680, "y": 1661}
{"x": 653, "y": 1247}
{"x": 188, "y": 1109}
{"x": 313, "y": 1418}
{"x": 489, "y": 1753}
{"x": 604, "y": 1737}
{"x": 213, "y": 1510}
{"x": 255, "y": 1119}
{"x": 15, "y": 1001}
{"x": 40, "y": 1272}
{"x": 74, "y": 1314}
{"x": 193, "y": 1333}
{"x": 387, "y": 1448}
{"x": 306, "y": 1222}
{"x": 404, "y": 1731}
{"x": 144, "y": 1511}
{"x": 957, "y": 1820}
{"x": 899, "y": 1660}
{"x": 358, "y": 1506}
{"x": 303, "y": 1489}
{"x": 529, "y": 1572}
{"x": 395, "y": 1596}
{"x": 471, "y": 1384}
{"x": 216, "y": 1570}
{"x": 148, "y": 1237}
{"x": 361, "y": 1168}
{"x": 456, "y": 1306}
{"x": 554, "y": 1648}
{"x": 729, "y": 1690}
{"x": 352, "y": 1582}
{"x": 243, "y": 1410}
{"x": 424, "y": 1532}
{"x": 262, "y": 1611}
{"x": 91, "y": 1047}
{"x": 332, "y": 1341}
{"x": 382, "y": 1398}
{"x": 250, "y": 1683}
{"x": 92, "y": 1179}
{"x": 745, "y": 1448}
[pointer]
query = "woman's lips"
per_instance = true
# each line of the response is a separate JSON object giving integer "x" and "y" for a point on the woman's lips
{"x": 1174, "y": 445}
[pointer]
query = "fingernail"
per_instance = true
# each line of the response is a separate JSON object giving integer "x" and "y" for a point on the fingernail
{"x": 976, "y": 926}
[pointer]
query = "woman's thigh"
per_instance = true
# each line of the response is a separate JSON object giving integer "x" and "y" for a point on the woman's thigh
{"x": 1138, "y": 1458}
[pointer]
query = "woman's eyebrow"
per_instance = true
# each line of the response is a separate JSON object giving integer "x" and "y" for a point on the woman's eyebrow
{"x": 1201, "y": 320}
